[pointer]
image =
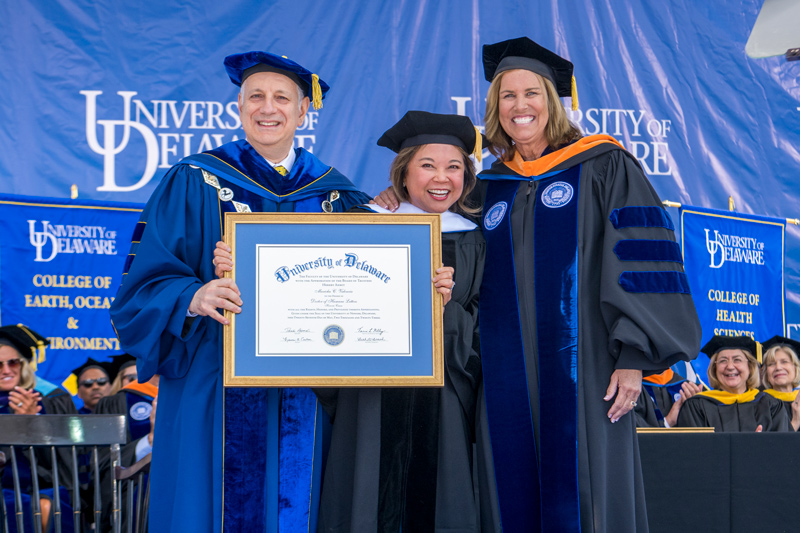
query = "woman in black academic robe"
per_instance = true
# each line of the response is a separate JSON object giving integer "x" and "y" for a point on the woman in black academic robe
{"x": 780, "y": 375}
{"x": 735, "y": 404}
{"x": 19, "y": 347}
{"x": 401, "y": 458}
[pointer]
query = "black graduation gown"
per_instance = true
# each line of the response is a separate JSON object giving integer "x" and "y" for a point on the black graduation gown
{"x": 616, "y": 330}
{"x": 120, "y": 404}
{"x": 787, "y": 403}
{"x": 645, "y": 412}
{"x": 402, "y": 458}
{"x": 58, "y": 402}
{"x": 765, "y": 410}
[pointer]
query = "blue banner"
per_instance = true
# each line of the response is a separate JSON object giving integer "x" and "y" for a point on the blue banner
{"x": 108, "y": 95}
{"x": 60, "y": 266}
{"x": 735, "y": 267}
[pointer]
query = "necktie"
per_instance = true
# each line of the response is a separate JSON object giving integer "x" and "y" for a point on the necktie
{"x": 281, "y": 170}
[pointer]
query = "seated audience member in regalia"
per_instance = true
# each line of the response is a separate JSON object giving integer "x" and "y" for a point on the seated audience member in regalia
{"x": 20, "y": 348}
{"x": 662, "y": 397}
{"x": 94, "y": 382}
{"x": 780, "y": 374}
{"x": 735, "y": 403}
{"x": 125, "y": 366}
{"x": 21, "y": 392}
{"x": 136, "y": 401}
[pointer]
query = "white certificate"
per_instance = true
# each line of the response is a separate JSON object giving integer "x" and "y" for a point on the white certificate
{"x": 329, "y": 300}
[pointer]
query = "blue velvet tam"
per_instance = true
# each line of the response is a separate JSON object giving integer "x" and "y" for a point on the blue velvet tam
{"x": 240, "y": 66}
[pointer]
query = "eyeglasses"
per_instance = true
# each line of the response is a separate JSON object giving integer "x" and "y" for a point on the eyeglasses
{"x": 12, "y": 363}
{"x": 89, "y": 382}
{"x": 128, "y": 378}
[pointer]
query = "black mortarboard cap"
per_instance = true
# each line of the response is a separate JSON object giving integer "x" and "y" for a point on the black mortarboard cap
{"x": 240, "y": 66}
{"x": 777, "y": 340}
{"x": 107, "y": 367}
{"x": 27, "y": 342}
{"x": 120, "y": 362}
{"x": 420, "y": 127}
{"x": 723, "y": 342}
{"x": 523, "y": 53}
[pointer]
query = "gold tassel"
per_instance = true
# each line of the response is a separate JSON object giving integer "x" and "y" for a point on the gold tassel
{"x": 574, "y": 95}
{"x": 316, "y": 92}
{"x": 758, "y": 352}
{"x": 37, "y": 353}
{"x": 478, "y": 151}
{"x": 73, "y": 191}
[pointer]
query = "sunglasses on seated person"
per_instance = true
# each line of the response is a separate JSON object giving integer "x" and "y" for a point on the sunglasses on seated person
{"x": 89, "y": 382}
{"x": 12, "y": 363}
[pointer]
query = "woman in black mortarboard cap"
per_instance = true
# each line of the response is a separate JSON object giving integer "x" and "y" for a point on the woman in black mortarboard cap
{"x": 401, "y": 458}
{"x": 124, "y": 370}
{"x": 20, "y": 349}
{"x": 780, "y": 374}
{"x": 583, "y": 291}
{"x": 735, "y": 404}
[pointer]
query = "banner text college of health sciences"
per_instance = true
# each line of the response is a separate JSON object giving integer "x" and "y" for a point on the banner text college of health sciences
{"x": 60, "y": 266}
{"x": 735, "y": 267}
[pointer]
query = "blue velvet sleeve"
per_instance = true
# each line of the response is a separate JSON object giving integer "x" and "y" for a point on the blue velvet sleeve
{"x": 170, "y": 262}
{"x": 644, "y": 295}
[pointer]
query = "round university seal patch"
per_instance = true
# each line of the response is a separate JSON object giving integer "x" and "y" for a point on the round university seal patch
{"x": 494, "y": 215}
{"x": 333, "y": 335}
{"x": 557, "y": 194}
{"x": 141, "y": 410}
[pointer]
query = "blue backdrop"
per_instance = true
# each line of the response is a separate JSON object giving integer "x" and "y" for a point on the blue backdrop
{"x": 108, "y": 95}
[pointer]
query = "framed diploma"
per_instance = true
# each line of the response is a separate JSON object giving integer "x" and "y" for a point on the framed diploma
{"x": 334, "y": 300}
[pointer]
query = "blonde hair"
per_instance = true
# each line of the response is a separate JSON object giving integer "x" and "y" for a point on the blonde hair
{"x": 116, "y": 385}
{"x": 771, "y": 354}
{"x": 399, "y": 171}
{"x": 753, "y": 380}
{"x": 27, "y": 378}
{"x": 558, "y": 131}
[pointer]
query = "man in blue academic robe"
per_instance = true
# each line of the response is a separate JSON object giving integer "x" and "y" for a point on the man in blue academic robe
{"x": 167, "y": 314}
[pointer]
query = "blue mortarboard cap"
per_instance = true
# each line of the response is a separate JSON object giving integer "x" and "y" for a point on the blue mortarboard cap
{"x": 240, "y": 66}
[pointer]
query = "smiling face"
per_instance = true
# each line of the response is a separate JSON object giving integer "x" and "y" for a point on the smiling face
{"x": 92, "y": 394}
{"x": 522, "y": 109}
{"x": 733, "y": 370}
{"x": 10, "y": 368}
{"x": 271, "y": 111}
{"x": 781, "y": 372}
{"x": 435, "y": 177}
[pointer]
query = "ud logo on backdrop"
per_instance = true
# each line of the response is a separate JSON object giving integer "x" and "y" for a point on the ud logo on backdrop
{"x": 733, "y": 248}
{"x": 170, "y": 130}
{"x": 70, "y": 239}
